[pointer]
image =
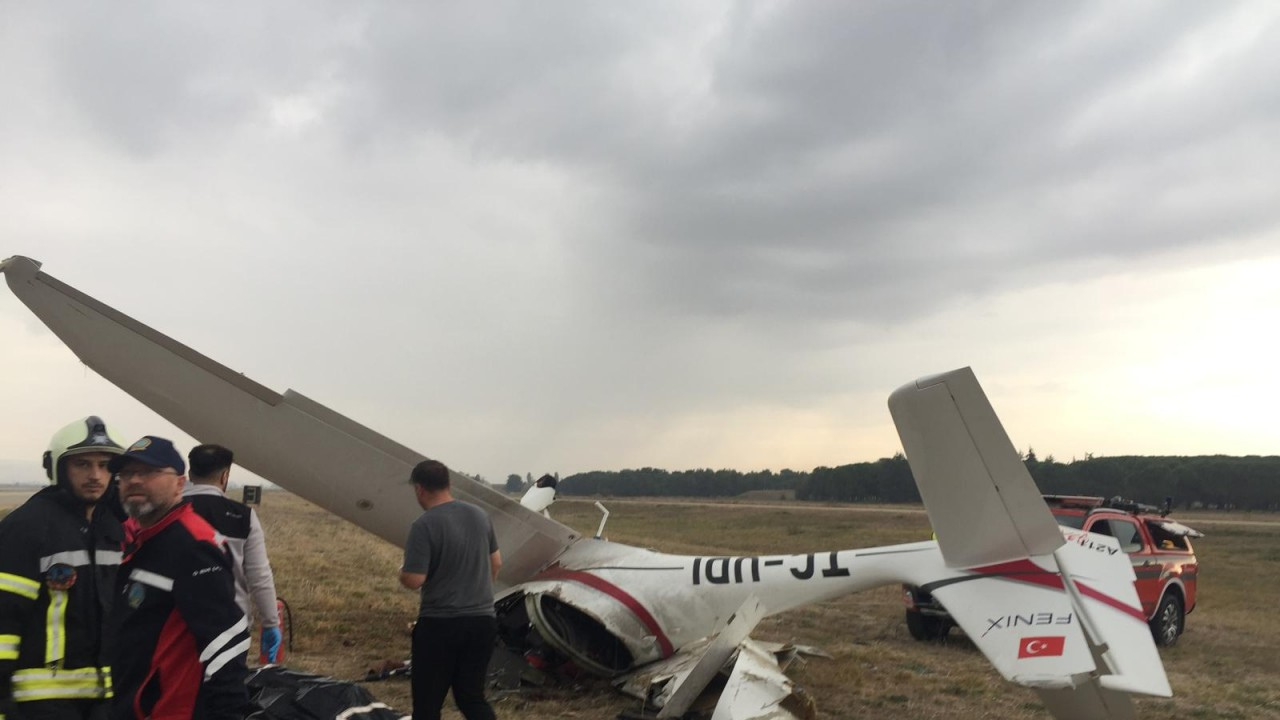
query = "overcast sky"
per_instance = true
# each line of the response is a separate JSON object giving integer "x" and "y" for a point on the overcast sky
{"x": 556, "y": 237}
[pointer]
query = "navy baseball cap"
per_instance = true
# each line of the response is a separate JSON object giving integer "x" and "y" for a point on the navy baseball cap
{"x": 153, "y": 451}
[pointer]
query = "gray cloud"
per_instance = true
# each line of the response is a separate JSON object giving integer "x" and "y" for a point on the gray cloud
{"x": 583, "y": 219}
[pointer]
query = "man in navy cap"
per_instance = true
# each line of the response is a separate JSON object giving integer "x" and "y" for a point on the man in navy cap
{"x": 181, "y": 639}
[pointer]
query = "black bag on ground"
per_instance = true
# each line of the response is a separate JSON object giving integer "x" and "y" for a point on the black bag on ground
{"x": 283, "y": 694}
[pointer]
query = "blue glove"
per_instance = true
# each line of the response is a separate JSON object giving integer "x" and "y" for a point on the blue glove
{"x": 270, "y": 643}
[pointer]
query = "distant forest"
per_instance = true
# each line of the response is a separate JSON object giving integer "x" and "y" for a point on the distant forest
{"x": 1213, "y": 481}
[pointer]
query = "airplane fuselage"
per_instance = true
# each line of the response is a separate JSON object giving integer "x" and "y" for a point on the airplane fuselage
{"x": 654, "y": 603}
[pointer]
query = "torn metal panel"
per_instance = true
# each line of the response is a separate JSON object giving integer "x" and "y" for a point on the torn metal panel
{"x": 759, "y": 690}
{"x": 651, "y": 683}
{"x": 686, "y": 689}
{"x": 653, "y": 678}
{"x": 787, "y": 653}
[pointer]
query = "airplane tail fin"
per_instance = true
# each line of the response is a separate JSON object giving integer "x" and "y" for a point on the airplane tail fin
{"x": 1060, "y": 617}
{"x": 982, "y": 502}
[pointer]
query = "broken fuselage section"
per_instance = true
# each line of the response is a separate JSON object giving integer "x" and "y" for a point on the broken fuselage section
{"x": 610, "y": 608}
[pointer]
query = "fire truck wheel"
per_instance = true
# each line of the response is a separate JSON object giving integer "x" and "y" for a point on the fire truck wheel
{"x": 1167, "y": 623}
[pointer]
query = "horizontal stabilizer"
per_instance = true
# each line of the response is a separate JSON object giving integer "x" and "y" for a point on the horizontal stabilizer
{"x": 982, "y": 502}
{"x": 1103, "y": 590}
{"x": 1068, "y": 625}
{"x": 1022, "y": 619}
{"x": 292, "y": 441}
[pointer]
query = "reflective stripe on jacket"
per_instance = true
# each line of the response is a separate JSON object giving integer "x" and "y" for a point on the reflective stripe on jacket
{"x": 45, "y": 684}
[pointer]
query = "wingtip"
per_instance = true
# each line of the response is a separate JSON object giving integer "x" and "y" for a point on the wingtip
{"x": 19, "y": 267}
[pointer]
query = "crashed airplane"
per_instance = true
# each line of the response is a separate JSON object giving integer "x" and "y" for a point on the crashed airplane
{"x": 666, "y": 625}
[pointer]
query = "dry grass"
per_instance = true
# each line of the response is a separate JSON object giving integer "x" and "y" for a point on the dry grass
{"x": 350, "y": 614}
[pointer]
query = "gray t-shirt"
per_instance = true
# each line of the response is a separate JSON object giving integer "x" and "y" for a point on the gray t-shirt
{"x": 451, "y": 545}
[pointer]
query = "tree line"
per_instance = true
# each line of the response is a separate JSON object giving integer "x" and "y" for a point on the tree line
{"x": 1214, "y": 481}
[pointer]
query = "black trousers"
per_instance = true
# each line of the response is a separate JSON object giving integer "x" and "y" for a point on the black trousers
{"x": 452, "y": 653}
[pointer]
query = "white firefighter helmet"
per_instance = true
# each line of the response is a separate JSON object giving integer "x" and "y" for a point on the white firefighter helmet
{"x": 82, "y": 436}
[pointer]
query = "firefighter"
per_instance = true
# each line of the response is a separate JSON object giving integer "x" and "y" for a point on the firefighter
{"x": 59, "y": 553}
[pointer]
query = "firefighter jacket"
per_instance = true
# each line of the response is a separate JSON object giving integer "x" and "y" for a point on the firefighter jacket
{"x": 181, "y": 639}
{"x": 57, "y": 577}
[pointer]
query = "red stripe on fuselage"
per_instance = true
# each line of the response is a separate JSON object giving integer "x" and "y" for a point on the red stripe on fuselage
{"x": 617, "y": 593}
{"x": 1022, "y": 571}
{"x": 1028, "y": 572}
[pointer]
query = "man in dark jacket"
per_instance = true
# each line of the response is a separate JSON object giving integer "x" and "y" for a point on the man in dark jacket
{"x": 59, "y": 553}
{"x": 237, "y": 523}
{"x": 180, "y": 637}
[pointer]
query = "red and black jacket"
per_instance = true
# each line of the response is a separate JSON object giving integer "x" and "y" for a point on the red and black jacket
{"x": 181, "y": 639}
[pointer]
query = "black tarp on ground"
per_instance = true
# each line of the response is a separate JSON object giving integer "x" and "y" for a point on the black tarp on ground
{"x": 287, "y": 695}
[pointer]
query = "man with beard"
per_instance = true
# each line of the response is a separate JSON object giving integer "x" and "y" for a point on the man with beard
{"x": 59, "y": 553}
{"x": 180, "y": 637}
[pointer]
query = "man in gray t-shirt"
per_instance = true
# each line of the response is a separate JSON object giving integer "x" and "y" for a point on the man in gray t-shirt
{"x": 452, "y": 557}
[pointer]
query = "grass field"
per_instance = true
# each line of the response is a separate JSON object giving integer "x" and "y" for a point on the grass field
{"x": 350, "y": 614}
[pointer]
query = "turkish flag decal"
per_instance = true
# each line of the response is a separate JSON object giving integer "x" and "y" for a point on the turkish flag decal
{"x": 1052, "y": 645}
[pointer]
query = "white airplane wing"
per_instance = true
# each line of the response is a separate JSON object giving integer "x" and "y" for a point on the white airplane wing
{"x": 302, "y": 446}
